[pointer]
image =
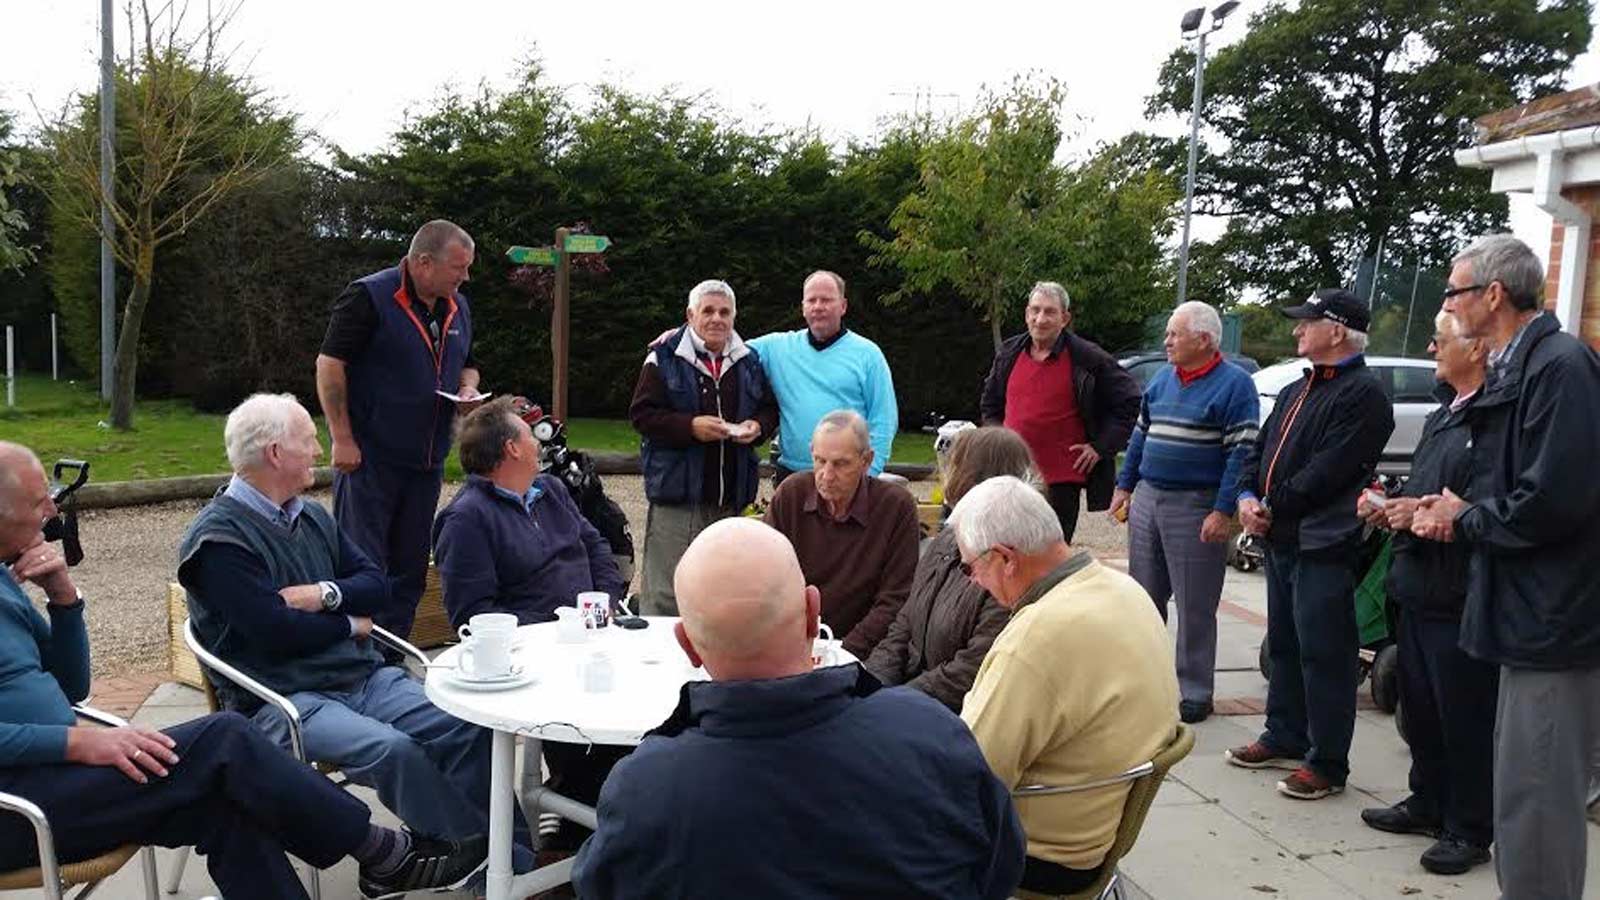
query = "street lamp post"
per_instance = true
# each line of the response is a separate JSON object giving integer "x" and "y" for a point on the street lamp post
{"x": 1191, "y": 29}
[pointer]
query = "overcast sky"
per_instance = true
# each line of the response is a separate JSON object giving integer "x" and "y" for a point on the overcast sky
{"x": 351, "y": 68}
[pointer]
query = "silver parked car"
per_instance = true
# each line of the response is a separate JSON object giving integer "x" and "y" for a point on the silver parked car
{"x": 1409, "y": 384}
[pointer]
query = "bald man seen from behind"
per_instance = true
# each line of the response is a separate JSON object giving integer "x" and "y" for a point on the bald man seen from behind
{"x": 775, "y": 779}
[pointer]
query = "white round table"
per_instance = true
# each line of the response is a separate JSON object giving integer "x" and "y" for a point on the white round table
{"x": 648, "y": 670}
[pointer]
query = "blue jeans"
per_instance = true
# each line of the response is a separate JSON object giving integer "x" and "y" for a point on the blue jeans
{"x": 1312, "y": 640}
{"x": 428, "y": 767}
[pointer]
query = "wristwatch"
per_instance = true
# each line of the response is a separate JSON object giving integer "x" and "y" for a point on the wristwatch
{"x": 331, "y": 597}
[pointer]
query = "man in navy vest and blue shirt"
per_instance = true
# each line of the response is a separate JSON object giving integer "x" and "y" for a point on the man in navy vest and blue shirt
{"x": 279, "y": 591}
{"x": 216, "y": 783}
{"x": 1196, "y": 425}
{"x": 396, "y": 340}
{"x": 1317, "y": 451}
{"x": 701, "y": 406}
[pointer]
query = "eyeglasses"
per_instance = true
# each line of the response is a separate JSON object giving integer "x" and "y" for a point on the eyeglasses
{"x": 1456, "y": 292}
{"x": 966, "y": 567}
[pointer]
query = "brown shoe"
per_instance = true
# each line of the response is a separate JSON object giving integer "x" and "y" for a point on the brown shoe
{"x": 1257, "y": 755}
{"x": 1305, "y": 784}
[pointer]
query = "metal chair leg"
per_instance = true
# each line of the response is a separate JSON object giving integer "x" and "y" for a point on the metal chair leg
{"x": 178, "y": 865}
{"x": 147, "y": 861}
{"x": 313, "y": 882}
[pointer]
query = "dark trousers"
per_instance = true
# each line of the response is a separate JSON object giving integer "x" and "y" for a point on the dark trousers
{"x": 1046, "y": 877}
{"x": 577, "y": 771}
{"x": 1449, "y": 703}
{"x": 1064, "y": 498}
{"x": 388, "y": 512}
{"x": 1312, "y": 640}
{"x": 779, "y": 473}
{"x": 235, "y": 797}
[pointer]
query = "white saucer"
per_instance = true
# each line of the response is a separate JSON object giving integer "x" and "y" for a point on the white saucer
{"x": 518, "y": 678}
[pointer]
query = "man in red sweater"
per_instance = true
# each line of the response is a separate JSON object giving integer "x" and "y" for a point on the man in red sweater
{"x": 1071, "y": 402}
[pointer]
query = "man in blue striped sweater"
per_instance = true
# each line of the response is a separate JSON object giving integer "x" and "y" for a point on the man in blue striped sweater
{"x": 1196, "y": 423}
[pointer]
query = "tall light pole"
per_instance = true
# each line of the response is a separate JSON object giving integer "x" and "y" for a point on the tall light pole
{"x": 108, "y": 139}
{"x": 1192, "y": 30}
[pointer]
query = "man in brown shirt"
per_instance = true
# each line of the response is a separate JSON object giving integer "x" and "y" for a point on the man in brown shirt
{"x": 856, "y": 536}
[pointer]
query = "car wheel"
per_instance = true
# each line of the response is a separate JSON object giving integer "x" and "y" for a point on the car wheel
{"x": 1400, "y": 722}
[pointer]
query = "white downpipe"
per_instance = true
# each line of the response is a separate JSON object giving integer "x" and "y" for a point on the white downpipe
{"x": 1549, "y": 150}
{"x": 1576, "y": 226}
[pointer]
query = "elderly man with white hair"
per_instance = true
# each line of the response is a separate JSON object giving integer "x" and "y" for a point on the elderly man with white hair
{"x": 1077, "y": 687}
{"x": 277, "y": 589}
{"x": 1196, "y": 424}
{"x": 777, "y": 779}
{"x": 701, "y": 406}
{"x": 1317, "y": 450}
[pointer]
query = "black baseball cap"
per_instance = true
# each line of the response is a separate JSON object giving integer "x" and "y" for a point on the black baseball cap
{"x": 1335, "y": 305}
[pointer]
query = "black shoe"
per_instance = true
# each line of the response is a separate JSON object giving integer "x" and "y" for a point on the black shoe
{"x": 1451, "y": 855}
{"x": 1399, "y": 819}
{"x": 1192, "y": 711}
{"x": 431, "y": 863}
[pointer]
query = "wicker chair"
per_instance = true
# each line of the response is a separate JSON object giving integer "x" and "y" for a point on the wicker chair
{"x": 212, "y": 666}
{"x": 55, "y": 877}
{"x": 1146, "y": 778}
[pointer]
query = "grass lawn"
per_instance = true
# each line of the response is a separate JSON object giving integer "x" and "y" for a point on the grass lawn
{"x": 61, "y": 420}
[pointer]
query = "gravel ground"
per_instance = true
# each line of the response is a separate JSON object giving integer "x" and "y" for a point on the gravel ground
{"x": 130, "y": 558}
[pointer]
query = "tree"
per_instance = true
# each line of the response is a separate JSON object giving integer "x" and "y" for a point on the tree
{"x": 189, "y": 134}
{"x": 994, "y": 213}
{"x": 1334, "y": 122}
{"x": 975, "y": 220}
{"x": 14, "y": 253}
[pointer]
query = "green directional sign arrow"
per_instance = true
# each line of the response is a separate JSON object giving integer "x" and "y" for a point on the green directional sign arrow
{"x": 587, "y": 243}
{"x": 532, "y": 256}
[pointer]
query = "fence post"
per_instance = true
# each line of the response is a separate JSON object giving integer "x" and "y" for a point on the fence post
{"x": 11, "y": 369}
{"x": 55, "y": 363}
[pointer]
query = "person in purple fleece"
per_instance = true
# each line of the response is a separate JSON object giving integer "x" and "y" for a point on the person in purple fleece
{"x": 513, "y": 541}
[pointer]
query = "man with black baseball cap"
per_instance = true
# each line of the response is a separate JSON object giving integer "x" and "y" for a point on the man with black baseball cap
{"x": 1316, "y": 452}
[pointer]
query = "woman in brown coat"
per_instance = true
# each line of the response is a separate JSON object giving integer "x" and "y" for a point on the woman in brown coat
{"x": 943, "y": 630}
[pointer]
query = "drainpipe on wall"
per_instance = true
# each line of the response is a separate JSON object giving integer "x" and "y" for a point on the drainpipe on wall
{"x": 1576, "y": 226}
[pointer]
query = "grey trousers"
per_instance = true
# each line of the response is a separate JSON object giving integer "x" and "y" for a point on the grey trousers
{"x": 1546, "y": 729}
{"x": 668, "y": 530}
{"x": 1168, "y": 559}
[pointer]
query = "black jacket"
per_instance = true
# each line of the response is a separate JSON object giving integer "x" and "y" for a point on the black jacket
{"x": 1429, "y": 576}
{"x": 1108, "y": 399}
{"x": 1325, "y": 433}
{"x": 1533, "y": 596}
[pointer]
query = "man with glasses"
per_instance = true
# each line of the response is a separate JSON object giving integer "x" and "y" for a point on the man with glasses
{"x": 1316, "y": 452}
{"x": 1533, "y": 599}
{"x": 1079, "y": 684}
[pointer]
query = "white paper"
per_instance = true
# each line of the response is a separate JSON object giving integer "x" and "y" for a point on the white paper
{"x": 459, "y": 399}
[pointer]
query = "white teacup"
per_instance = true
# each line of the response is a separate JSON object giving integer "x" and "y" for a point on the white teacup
{"x": 822, "y": 649}
{"x": 569, "y": 626}
{"x": 488, "y": 638}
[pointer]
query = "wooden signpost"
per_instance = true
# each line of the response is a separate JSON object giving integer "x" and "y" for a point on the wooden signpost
{"x": 559, "y": 255}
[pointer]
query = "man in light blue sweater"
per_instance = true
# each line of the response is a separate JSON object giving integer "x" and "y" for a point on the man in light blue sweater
{"x": 823, "y": 367}
{"x": 1196, "y": 424}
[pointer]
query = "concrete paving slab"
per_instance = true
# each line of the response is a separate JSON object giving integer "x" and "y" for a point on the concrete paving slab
{"x": 174, "y": 694}
{"x": 1202, "y": 852}
{"x": 1175, "y": 793}
{"x": 1389, "y": 872}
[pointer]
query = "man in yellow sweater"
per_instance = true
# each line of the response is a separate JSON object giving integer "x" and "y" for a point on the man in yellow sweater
{"x": 1078, "y": 687}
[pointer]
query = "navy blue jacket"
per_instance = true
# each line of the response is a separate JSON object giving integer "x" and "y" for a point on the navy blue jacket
{"x": 495, "y": 555}
{"x": 819, "y": 785}
{"x": 674, "y": 387}
{"x": 394, "y": 413}
{"x": 1430, "y": 577}
{"x": 1533, "y": 600}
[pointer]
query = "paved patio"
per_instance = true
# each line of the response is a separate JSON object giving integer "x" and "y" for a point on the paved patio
{"x": 1215, "y": 832}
